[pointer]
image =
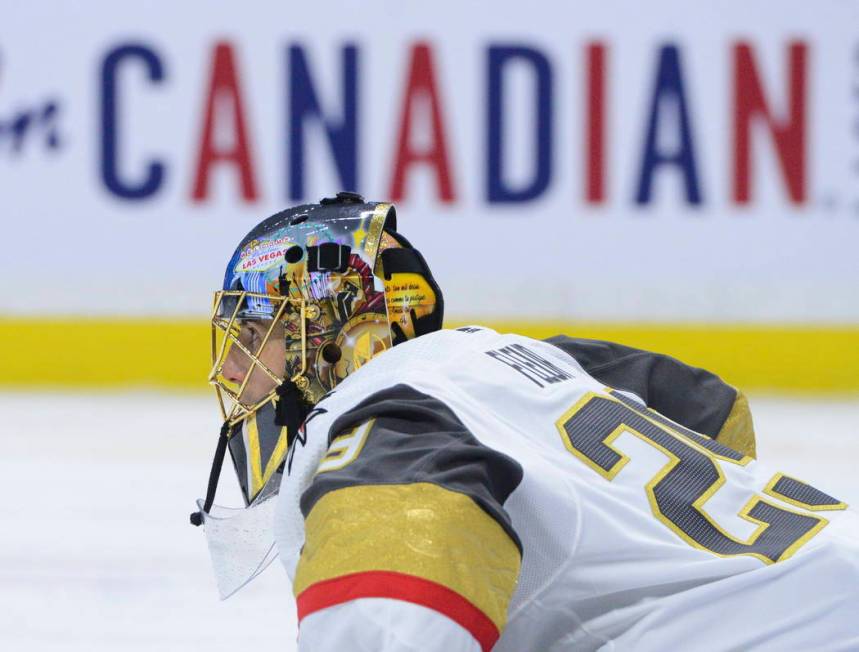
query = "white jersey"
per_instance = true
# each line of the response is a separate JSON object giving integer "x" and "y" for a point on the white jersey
{"x": 472, "y": 491}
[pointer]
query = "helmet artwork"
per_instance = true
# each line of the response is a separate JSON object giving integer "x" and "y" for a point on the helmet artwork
{"x": 310, "y": 295}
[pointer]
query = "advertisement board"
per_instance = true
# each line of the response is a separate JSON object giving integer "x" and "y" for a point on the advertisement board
{"x": 603, "y": 162}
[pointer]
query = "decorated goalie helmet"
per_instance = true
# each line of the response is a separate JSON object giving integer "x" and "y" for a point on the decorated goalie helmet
{"x": 310, "y": 295}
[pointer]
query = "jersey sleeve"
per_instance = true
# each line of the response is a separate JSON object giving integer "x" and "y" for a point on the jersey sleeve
{"x": 407, "y": 542}
{"x": 693, "y": 397}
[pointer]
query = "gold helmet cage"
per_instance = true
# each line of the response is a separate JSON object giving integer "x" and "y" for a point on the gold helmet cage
{"x": 228, "y": 341}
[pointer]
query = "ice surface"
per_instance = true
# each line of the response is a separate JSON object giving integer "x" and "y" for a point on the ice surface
{"x": 96, "y": 552}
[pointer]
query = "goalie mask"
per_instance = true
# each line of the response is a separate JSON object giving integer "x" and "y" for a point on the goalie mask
{"x": 310, "y": 295}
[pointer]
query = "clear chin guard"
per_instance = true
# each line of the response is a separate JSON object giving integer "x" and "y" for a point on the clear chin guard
{"x": 241, "y": 542}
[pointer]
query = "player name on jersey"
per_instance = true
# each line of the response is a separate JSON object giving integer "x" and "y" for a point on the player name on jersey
{"x": 529, "y": 364}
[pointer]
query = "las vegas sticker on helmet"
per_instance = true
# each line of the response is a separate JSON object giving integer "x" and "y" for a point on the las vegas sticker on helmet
{"x": 259, "y": 255}
{"x": 362, "y": 234}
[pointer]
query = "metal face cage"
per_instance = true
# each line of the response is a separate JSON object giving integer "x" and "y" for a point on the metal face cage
{"x": 233, "y": 307}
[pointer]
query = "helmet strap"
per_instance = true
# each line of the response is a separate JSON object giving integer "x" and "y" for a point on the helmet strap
{"x": 214, "y": 474}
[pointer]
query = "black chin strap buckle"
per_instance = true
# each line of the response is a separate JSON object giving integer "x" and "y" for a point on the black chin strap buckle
{"x": 291, "y": 409}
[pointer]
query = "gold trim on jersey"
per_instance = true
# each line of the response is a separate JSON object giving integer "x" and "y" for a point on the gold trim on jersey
{"x": 674, "y": 460}
{"x": 699, "y": 503}
{"x": 770, "y": 490}
{"x": 418, "y": 529}
{"x": 738, "y": 431}
{"x": 645, "y": 414}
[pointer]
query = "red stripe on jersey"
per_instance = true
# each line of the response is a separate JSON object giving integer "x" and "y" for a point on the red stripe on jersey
{"x": 398, "y": 586}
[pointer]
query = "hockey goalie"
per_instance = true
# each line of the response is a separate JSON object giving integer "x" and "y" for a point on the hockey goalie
{"x": 465, "y": 490}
